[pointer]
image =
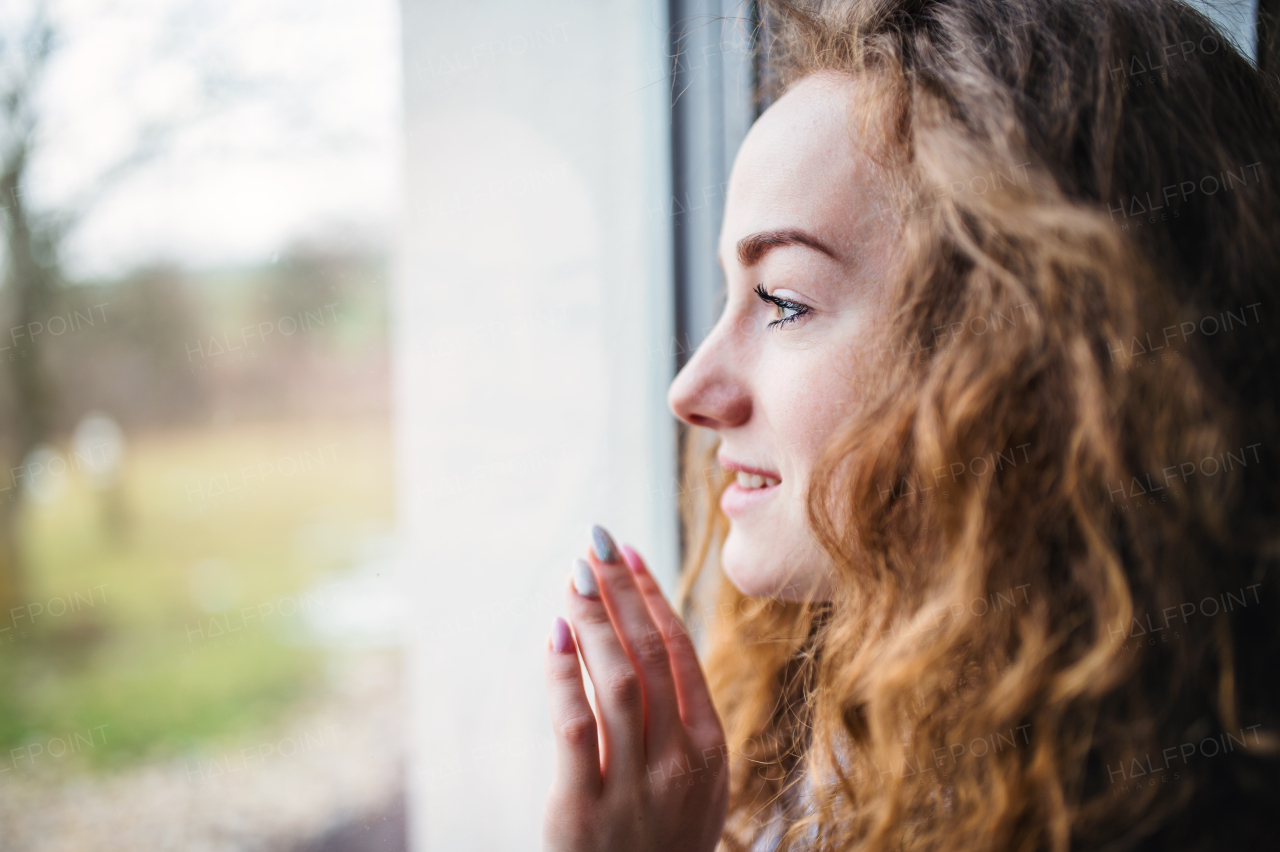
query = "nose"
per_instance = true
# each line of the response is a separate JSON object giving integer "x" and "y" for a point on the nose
{"x": 711, "y": 391}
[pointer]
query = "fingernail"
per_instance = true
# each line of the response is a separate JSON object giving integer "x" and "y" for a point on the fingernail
{"x": 561, "y": 643}
{"x": 583, "y": 580}
{"x": 632, "y": 559}
{"x": 602, "y": 544}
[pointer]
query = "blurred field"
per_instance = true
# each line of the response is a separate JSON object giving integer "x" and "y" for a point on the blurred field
{"x": 212, "y": 531}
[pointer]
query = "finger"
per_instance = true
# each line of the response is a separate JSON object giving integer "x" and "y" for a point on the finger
{"x": 697, "y": 710}
{"x": 619, "y": 698}
{"x": 642, "y": 640}
{"x": 574, "y": 722}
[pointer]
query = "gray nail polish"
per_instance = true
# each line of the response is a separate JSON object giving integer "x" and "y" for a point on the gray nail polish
{"x": 602, "y": 544}
{"x": 583, "y": 580}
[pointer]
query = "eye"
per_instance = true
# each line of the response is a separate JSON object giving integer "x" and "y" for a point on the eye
{"x": 788, "y": 311}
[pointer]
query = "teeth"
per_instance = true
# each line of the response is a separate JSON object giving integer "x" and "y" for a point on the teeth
{"x": 752, "y": 480}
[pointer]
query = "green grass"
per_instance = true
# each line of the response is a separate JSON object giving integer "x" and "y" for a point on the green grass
{"x": 135, "y": 661}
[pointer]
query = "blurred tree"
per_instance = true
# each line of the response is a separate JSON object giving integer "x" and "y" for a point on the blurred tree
{"x": 31, "y": 279}
{"x": 137, "y": 365}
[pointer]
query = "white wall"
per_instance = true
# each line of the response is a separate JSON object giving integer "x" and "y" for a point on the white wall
{"x": 533, "y": 324}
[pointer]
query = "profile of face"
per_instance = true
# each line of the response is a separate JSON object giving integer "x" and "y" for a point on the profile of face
{"x": 807, "y": 247}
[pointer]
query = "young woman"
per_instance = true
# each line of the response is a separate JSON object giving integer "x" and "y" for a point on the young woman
{"x": 993, "y": 470}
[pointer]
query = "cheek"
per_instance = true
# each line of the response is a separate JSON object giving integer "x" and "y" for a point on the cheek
{"x": 807, "y": 414}
{"x": 802, "y": 399}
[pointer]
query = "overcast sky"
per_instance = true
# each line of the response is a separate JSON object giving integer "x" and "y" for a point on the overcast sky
{"x": 1236, "y": 17}
{"x": 270, "y": 121}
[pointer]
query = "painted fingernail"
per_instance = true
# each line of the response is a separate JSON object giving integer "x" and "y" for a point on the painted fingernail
{"x": 632, "y": 559}
{"x": 561, "y": 642}
{"x": 602, "y": 544}
{"x": 583, "y": 580}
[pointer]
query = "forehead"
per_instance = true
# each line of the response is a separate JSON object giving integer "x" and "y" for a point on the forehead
{"x": 801, "y": 166}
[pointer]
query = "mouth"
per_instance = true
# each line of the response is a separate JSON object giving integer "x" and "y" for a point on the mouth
{"x": 751, "y": 486}
{"x": 754, "y": 480}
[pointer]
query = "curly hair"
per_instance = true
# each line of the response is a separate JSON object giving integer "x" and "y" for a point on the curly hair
{"x": 1055, "y": 525}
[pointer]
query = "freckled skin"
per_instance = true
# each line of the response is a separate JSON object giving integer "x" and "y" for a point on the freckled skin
{"x": 776, "y": 395}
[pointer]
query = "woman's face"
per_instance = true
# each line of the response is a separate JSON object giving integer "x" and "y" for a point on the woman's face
{"x": 807, "y": 225}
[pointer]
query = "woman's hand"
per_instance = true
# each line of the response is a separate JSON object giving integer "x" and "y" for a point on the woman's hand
{"x": 650, "y": 774}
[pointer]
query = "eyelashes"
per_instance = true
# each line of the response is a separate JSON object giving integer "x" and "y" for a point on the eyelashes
{"x": 784, "y": 306}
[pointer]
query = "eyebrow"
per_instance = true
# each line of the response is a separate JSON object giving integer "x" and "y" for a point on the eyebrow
{"x": 753, "y": 248}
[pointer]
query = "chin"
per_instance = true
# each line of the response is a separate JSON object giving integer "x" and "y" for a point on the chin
{"x": 763, "y": 570}
{"x": 745, "y": 569}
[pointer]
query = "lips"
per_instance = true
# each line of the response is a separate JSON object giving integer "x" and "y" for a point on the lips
{"x": 751, "y": 487}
